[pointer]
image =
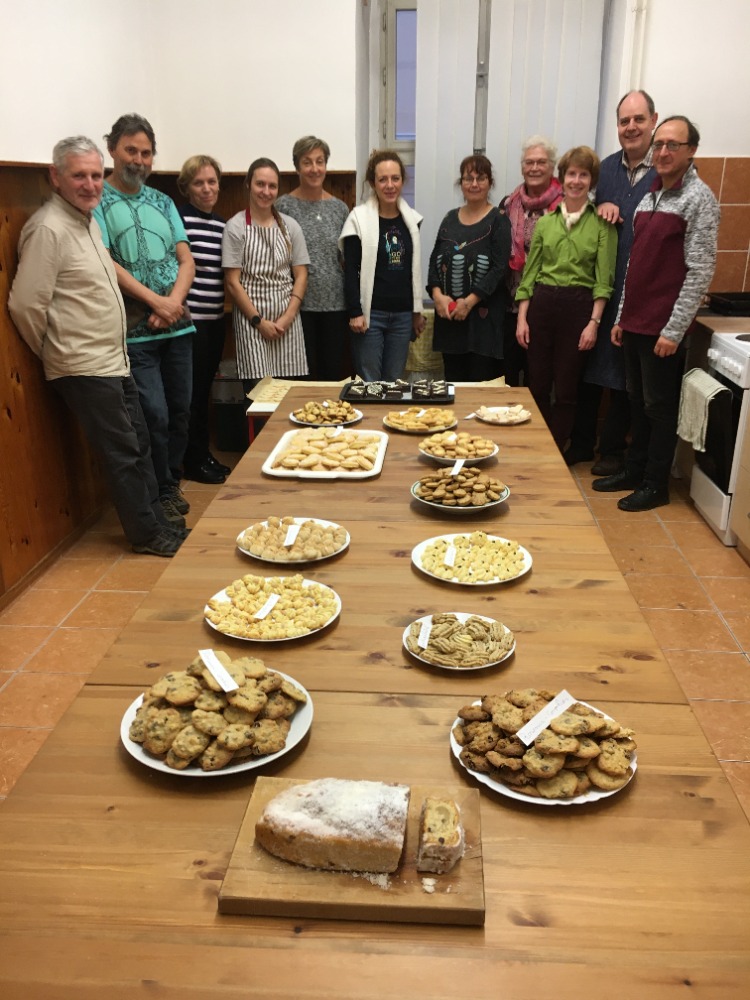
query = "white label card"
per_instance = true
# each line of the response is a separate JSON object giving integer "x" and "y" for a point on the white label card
{"x": 217, "y": 670}
{"x": 542, "y": 719}
{"x": 267, "y": 607}
{"x": 291, "y": 535}
{"x": 459, "y": 464}
{"x": 450, "y": 555}
{"x": 469, "y": 416}
{"x": 424, "y": 634}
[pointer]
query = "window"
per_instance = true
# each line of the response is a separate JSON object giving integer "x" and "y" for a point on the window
{"x": 399, "y": 84}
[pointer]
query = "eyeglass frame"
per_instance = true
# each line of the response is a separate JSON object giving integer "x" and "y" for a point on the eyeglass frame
{"x": 671, "y": 144}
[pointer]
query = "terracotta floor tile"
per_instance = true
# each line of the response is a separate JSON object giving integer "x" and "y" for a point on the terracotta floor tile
{"x": 711, "y": 675}
{"x": 695, "y": 630}
{"x": 644, "y": 534}
{"x": 738, "y": 774}
{"x": 717, "y": 561}
{"x": 106, "y": 609}
{"x": 95, "y": 545}
{"x": 739, "y": 626}
{"x": 41, "y": 607}
{"x": 19, "y": 642}
{"x": 682, "y": 511}
{"x": 681, "y": 593}
{"x": 72, "y": 651}
{"x": 34, "y": 700}
{"x": 692, "y": 535}
{"x": 661, "y": 560}
{"x": 729, "y": 593}
{"x": 133, "y": 574}
{"x": 604, "y": 507}
{"x": 72, "y": 574}
{"x": 727, "y": 727}
{"x": 17, "y": 749}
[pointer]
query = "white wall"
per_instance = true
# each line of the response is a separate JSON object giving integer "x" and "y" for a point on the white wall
{"x": 279, "y": 70}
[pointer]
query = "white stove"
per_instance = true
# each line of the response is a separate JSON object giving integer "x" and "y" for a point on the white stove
{"x": 729, "y": 355}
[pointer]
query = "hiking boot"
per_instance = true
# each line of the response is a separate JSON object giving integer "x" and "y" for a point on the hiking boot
{"x": 171, "y": 512}
{"x": 178, "y": 499}
{"x": 163, "y": 543}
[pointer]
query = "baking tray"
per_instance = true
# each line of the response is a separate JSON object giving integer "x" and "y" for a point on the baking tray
{"x": 396, "y": 401}
{"x": 730, "y": 303}
{"x": 260, "y": 884}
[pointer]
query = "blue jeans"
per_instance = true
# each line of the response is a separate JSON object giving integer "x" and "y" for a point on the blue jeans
{"x": 380, "y": 353}
{"x": 163, "y": 372}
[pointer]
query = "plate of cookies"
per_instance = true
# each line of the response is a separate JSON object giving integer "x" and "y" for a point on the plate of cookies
{"x": 457, "y": 640}
{"x": 447, "y": 447}
{"x": 463, "y": 492}
{"x": 272, "y": 608}
{"x": 583, "y": 755}
{"x": 293, "y": 539}
{"x": 185, "y": 724}
{"x": 505, "y": 415}
{"x": 327, "y": 453}
{"x": 472, "y": 559}
{"x": 328, "y": 413}
{"x": 420, "y": 420}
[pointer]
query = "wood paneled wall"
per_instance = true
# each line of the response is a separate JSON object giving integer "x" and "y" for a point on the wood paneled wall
{"x": 50, "y": 482}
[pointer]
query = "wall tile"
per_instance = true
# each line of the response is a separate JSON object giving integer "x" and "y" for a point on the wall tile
{"x": 734, "y": 228}
{"x": 735, "y": 189}
{"x": 711, "y": 172}
{"x": 730, "y": 271}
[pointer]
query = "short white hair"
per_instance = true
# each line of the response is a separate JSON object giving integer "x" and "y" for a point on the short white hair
{"x": 74, "y": 145}
{"x": 540, "y": 140}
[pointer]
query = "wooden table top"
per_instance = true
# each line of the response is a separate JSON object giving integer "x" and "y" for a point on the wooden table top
{"x": 110, "y": 871}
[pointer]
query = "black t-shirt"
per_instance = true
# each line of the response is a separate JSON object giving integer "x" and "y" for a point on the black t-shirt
{"x": 392, "y": 286}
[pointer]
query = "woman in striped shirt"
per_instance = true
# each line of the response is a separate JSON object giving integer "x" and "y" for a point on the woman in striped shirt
{"x": 199, "y": 182}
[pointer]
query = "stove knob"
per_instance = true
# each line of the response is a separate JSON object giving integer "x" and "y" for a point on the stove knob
{"x": 712, "y": 354}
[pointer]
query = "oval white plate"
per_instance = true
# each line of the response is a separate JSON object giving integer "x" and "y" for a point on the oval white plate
{"x": 294, "y": 562}
{"x": 418, "y": 550}
{"x": 300, "y": 724}
{"x": 222, "y": 596}
{"x": 422, "y": 430}
{"x": 330, "y": 423}
{"x": 502, "y": 416}
{"x": 452, "y": 461}
{"x": 462, "y": 617}
{"x": 593, "y": 795}
{"x": 459, "y": 510}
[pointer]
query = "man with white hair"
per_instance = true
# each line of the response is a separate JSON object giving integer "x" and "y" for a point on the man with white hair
{"x": 67, "y": 307}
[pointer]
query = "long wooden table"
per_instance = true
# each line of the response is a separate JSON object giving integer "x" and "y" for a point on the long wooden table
{"x": 110, "y": 872}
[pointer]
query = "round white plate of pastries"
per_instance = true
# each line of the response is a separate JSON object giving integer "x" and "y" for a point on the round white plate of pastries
{"x": 355, "y": 417}
{"x": 447, "y": 447}
{"x": 318, "y": 539}
{"x": 593, "y": 795}
{"x": 254, "y": 628}
{"x": 426, "y": 556}
{"x": 300, "y": 725}
{"x": 451, "y": 653}
{"x": 456, "y": 509}
{"x": 505, "y": 415}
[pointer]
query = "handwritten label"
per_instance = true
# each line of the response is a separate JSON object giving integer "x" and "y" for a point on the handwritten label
{"x": 267, "y": 607}
{"x": 542, "y": 719}
{"x": 291, "y": 535}
{"x": 458, "y": 465}
{"x": 423, "y": 640}
{"x": 217, "y": 670}
{"x": 450, "y": 555}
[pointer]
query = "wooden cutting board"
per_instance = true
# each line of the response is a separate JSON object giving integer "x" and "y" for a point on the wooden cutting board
{"x": 258, "y": 883}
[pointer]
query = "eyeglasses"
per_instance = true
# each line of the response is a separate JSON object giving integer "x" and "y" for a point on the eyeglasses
{"x": 475, "y": 179}
{"x": 672, "y": 145}
{"x": 535, "y": 163}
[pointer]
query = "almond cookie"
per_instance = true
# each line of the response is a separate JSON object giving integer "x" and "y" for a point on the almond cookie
{"x": 607, "y": 782}
{"x": 543, "y": 765}
{"x": 563, "y": 785}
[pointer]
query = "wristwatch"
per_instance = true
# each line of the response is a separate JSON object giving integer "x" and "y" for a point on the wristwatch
{"x": 256, "y": 321}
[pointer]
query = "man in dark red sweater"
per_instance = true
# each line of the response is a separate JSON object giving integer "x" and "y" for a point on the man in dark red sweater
{"x": 671, "y": 264}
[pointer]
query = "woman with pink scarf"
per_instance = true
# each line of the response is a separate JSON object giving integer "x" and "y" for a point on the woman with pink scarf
{"x": 539, "y": 194}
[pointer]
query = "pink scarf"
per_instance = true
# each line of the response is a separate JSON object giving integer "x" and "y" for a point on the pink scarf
{"x": 519, "y": 205}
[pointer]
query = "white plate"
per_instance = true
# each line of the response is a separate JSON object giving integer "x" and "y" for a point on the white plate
{"x": 283, "y": 444}
{"x": 452, "y": 461}
{"x": 294, "y": 562}
{"x": 462, "y": 617}
{"x": 222, "y": 596}
{"x": 502, "y": 416}
{"x": 334, "y": 423}
{"x": 458, "y": 510}
{"x": 422, "y": 430}
{"x": 593, "y": 795}
{"x": 300, "y": 724}
{"x": 418, "y": 551}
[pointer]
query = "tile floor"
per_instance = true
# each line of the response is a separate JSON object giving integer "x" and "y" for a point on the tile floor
{"x": 694, "y": 592}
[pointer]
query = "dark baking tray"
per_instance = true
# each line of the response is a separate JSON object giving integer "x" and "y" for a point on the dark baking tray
{"x": 407, "y": 397}
{"x": 730, "y": 303}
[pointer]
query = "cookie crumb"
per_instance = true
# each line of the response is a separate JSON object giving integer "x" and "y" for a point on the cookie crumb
{"x": 428, "y": 884}
{"x": 381, "y": 880}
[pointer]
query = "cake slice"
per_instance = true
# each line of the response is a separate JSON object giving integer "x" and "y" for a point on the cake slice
{"x": 337, "y": 824}
{"x": 441, "y": 836}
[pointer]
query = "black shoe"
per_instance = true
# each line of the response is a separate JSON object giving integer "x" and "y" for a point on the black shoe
{"x": 163, "y": 543}
{"x": 645, "y": 498}
{"x": 619, "y": 482}
{"x": 608, "y": 465}
{"x": 573, "y": 456}
{"x": 217, "y": 464}
{"x": 205, "y": 473}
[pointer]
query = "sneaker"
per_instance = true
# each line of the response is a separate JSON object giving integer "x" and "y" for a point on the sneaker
{"x": 163, "y": 543}
{"x": 178, "y": 498}
{"x": 172, "y": 514}
{"x": 645, "y": 498}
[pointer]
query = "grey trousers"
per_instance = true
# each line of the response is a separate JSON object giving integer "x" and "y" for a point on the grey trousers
{"x": 111, "y": 416}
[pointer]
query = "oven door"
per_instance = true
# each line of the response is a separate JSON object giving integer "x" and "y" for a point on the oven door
{"x": 724, "y": 412}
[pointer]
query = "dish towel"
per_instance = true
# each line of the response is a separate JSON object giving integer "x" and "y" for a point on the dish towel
{"x": 698, "y": 389}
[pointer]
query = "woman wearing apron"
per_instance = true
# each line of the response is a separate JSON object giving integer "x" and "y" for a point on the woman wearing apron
{"x": 265, "y": 262}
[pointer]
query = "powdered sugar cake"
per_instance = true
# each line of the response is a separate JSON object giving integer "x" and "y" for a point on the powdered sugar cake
{"x": 258, "y": 883}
